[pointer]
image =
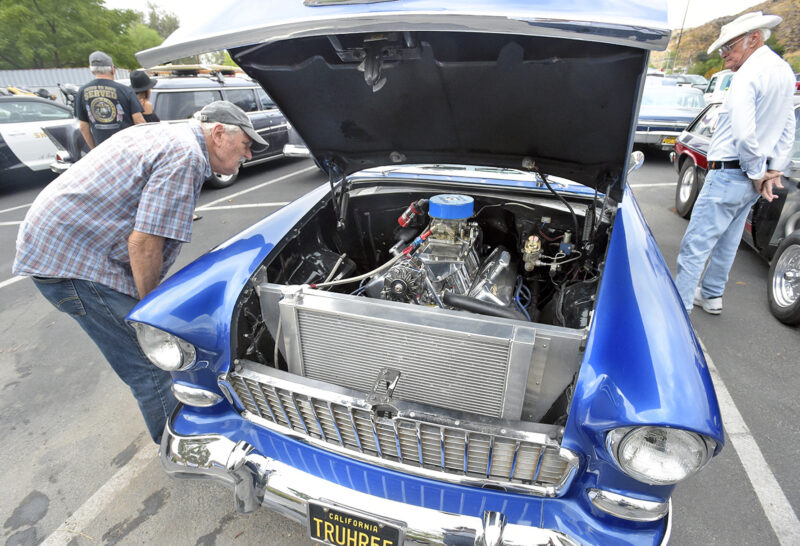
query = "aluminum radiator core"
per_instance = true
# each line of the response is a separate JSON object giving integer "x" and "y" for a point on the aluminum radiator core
{"x": 449, "y": 359}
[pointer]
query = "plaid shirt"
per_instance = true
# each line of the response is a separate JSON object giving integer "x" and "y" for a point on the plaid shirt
{"x": 145, "y": 178}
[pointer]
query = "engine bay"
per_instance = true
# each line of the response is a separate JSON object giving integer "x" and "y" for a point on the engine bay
{"x": 512, "y": 259}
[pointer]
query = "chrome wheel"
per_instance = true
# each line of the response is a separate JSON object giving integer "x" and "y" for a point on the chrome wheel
{"x": 689, "y": 182}
{"x": 786, "y": 277}
{"x": 686, "y": 184}
{"x": 218, "y": 181}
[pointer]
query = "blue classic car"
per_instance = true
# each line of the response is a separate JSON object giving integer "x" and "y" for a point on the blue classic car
{"x": 469, "y": 336}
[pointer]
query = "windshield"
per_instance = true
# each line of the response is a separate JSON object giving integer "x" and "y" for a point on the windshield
{"x": 672, "y": 97}
{"x": 695, "y": 78}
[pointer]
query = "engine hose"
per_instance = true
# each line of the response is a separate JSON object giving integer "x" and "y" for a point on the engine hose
{"x": 479, "y": 306}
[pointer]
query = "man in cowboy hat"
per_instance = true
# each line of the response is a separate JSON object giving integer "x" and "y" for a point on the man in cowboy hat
{"x": 749, "y": 149}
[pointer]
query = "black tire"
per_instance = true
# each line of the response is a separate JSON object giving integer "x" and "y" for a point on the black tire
{"x": 219, "y": 181}
{"x": 784, "y": 281}
{"x": 687, "y": 189}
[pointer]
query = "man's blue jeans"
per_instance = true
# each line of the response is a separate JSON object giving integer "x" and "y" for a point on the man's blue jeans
{"x": 101, "y": 312}
{"x": 714, "y": 232}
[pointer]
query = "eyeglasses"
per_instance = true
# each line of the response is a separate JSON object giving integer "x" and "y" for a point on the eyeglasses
{"x": 727, "y": 47}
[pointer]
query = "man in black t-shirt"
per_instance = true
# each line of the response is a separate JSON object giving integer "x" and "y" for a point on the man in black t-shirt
{"x": 104, "y": 106}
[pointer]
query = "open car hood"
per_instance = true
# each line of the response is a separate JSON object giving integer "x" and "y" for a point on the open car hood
{"x": 545, "y": 85}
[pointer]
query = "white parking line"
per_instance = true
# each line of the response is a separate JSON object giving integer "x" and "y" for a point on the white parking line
{"x": 247, "y": 206}
{"x": 16, "y": 208}
{"x": 89, "y": 510}
{"x": 655, "y": 185}
{"x": 10, "y": 223}
{"x": 259, "y": 186}
{"x": 776, "y": 506}
{"x": 10, "y": 281}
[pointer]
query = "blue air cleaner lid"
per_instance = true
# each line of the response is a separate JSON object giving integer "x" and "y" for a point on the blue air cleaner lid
{"x": 449, "y": 206}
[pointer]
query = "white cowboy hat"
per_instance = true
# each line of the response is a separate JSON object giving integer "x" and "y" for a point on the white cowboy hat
{"x": 742, "y": 25}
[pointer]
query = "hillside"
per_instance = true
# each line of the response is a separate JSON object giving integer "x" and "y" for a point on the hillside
{"x": 695, "y": 41}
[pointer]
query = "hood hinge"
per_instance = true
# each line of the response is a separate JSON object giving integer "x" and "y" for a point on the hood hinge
{"x": 340, "y": 198}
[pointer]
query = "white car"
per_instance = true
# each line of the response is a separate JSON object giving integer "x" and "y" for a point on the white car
{"x": 717, "y": 86}
{"x": 25, "y": 149}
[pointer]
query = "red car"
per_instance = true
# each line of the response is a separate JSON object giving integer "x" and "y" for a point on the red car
{"x": 772, "y": 228}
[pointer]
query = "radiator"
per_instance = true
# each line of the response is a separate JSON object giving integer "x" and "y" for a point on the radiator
{"x": 449, "y": 359}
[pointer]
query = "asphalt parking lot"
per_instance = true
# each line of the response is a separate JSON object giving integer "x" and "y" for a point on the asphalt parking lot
{"x": 78, "y": 466}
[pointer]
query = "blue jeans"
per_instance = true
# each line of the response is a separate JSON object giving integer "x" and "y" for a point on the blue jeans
{"x": 101, "y": 312}
{"x": 714, "y": 232}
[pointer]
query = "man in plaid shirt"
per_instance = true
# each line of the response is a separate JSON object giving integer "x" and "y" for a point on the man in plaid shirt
{"x": 103, "y": 234}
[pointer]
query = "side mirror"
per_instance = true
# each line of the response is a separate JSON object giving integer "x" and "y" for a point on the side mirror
{"x": 635, "y": 161}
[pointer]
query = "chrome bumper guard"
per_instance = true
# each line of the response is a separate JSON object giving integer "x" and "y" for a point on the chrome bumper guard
{"x": 295, "y": 150}
{"x": 258, "y": 480}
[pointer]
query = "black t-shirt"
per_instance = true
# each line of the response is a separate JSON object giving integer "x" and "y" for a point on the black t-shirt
{"x": 107, "y": 106}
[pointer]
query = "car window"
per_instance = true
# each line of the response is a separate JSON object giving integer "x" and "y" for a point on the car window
{"x": 184, "y": 104}
{"x": 266, "y": 100}
{"x": 23, "y": 111}
{"x": 796, "y": 148}
{"x": 706, "y": 125}
{"x": 243, "y": 98}
{"x": 726, "y": 82}
{"x": 712, "y": 84}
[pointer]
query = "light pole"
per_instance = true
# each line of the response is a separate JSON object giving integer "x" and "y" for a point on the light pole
{"x": 680, "y": 35}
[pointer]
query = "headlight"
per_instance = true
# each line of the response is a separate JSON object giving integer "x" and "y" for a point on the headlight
{"x": 166, "y": 351}
{"x": 659, "y": 455}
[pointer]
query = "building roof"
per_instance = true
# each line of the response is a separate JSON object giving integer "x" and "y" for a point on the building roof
{"x": 51, "y": 77}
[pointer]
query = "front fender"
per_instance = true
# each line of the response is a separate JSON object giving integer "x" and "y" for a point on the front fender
{"x": 643, "y": 364}
{"x": 196, "y": 303}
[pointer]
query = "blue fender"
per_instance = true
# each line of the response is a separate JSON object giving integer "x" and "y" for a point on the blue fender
{"x": 643, "y": 364}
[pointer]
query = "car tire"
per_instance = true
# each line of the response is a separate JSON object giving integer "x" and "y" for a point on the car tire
{"x": 784, "y": 281}
{"x": 219, "y": 181}
{"x": 687, "y": 189}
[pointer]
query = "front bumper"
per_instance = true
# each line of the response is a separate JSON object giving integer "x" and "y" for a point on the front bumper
{"x": 663, "y": 139}
{"x": 258, "y": 481}
{"x": 296, "y": 150}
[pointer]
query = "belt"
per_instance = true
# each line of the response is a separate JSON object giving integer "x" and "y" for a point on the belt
{"x": 724, "y": 165}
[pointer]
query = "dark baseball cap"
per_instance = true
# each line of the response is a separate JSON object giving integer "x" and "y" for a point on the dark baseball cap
{"x": 222, "y": 111}
{"x": 98, "y": 58}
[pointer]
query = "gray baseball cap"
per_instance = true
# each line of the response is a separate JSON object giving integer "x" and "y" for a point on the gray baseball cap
{"x": 222, "y": 111}
{"x": 98, "y": 58}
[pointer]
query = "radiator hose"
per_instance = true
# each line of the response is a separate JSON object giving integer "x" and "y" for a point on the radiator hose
{"x": 475, "y": 305}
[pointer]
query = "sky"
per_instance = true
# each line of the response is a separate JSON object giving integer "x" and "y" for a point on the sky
{"x": 699, "y": 12}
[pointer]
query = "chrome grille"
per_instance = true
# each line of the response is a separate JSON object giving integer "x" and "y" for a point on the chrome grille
{"x": 410, "y": 444}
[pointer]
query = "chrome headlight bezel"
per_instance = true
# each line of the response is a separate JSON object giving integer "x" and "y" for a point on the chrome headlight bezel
{"x": 157, "y": 344}
{"x": 618, "y": 439}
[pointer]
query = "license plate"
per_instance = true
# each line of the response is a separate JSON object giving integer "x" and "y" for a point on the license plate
{"x": 668, "y": 140}
{"x": 341, "y": 526}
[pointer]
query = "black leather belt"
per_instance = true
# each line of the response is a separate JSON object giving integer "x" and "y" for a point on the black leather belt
{"x": 724, "y": 165}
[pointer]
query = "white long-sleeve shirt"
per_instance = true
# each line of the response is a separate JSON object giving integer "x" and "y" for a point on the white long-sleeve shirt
{"x": 756, "y": 120}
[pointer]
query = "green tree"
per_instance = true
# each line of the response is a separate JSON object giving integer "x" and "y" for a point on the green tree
{"x": 59, "y": 33}
{"x": 163, "y": 22}
{"x": 138, "y": 37}
{"x": 773, "y": 44}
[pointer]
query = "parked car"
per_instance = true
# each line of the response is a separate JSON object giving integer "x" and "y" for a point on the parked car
{"x": 665, "y": 112}
{"x": 24, "y": 147}
{"x": 469, "y": 336}
{"x": 717, "y": 86}
{"x": 690, "y": 80}
{"x": 772, "y": 228}
{"x": 182, "y": 90}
